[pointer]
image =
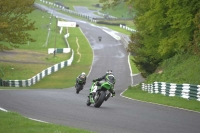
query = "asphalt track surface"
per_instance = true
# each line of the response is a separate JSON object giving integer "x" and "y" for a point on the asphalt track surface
{"x": 118, "y": 114}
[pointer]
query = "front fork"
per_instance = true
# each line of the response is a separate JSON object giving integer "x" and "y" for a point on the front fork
{"x": 92, "y": 94}
{"x": 91, "y": 98}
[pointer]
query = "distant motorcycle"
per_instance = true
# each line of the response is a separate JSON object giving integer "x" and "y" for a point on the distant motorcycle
{"x": 79, "y": 85}
{"x": 100, "y": 38}
{"x": 99, "y": 94}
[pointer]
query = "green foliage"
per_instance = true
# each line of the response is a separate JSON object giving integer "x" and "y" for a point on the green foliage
{"x": 14, "y": 23}
{"x": 164, "y": 29}
{"x": 120, "y": 11}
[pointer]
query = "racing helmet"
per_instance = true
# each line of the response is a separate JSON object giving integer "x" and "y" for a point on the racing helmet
{"x": 83, "y": 73}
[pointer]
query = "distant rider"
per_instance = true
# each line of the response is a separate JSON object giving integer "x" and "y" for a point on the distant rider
{"x": 81, "y": 79}
{"x": 107, "y": 77}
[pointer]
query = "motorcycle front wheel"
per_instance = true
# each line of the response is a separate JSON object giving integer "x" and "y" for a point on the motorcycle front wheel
{"x": 78, "y": 88}
{"x": 100, "y": 99}
{"x": 88, "y": 102}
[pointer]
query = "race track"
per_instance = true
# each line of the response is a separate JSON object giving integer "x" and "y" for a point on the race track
{"x": 118, "y": 114}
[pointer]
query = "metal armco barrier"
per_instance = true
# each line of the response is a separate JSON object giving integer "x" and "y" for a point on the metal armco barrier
{"x": 187, "y": 91}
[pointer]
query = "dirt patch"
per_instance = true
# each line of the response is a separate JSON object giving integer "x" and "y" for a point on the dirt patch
{"x": 23, "y": 56}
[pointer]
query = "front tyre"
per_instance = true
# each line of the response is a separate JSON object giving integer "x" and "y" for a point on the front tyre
{"x": 100, "y": 99}
{"x": 77, "y": 91}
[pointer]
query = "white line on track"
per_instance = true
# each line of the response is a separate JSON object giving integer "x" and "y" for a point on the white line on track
{"x": 38, "y": 120}
{"x": 3, "y": 109}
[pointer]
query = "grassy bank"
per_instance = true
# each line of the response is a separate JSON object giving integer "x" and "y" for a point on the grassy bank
{"x": 179, "y": 69}
{"x": 182, "y": 68}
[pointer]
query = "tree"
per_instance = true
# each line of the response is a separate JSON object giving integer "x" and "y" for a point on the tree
{"x": 14, "y": 23}
{"x": 164, "y": 28}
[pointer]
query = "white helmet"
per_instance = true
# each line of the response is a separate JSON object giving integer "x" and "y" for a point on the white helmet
{"x": 83, "y": 73}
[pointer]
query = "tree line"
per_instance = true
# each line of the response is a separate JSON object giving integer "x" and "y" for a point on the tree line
{"x": 164, "y": 28}
{"x": 14, "y": 23}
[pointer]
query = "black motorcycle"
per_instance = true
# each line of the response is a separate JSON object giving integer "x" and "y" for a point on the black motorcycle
{"x": 100, "y": 38}
{"x": 79, "y": 85}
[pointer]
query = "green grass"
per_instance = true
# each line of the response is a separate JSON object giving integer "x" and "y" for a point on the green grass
{"x": 38, "y": 62}
{"x": 132, "y": 65}
{"x": 137, "y": 93}
{"x": 65, "y": 77}
{"x": 12, "y": 122}
{"x": 183, "y": 68}
{"x": 36, "y": 51}
{"x": 61, "y": 79}
{"x": 43, "y": 21}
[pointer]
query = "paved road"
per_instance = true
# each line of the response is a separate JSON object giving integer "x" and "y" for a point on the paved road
{"x": 118, "y": 114}
{"x": 86, "y": 11}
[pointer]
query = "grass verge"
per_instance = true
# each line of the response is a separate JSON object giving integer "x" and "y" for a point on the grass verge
{"x": 133, "y": 66}
{"x": 12, "y": 122}
{"x": 138, "y": 94}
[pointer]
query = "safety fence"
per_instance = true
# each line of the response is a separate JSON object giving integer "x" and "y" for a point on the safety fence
{"x": 127, "y": 28}
{"x": 125, "y": 41}
{"x": 187, "y": 91}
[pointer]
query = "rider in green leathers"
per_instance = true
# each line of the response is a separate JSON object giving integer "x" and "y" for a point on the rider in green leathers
{"x": 81, "y": 79}
{"x": 107, "y": 77}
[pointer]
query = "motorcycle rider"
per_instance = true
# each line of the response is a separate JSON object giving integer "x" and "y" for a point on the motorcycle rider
{"x": 82, "y": 77}
{"x": 107, "y": 77}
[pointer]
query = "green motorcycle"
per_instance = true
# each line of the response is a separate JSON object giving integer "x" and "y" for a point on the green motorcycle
{"x": 99, "y": 94}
